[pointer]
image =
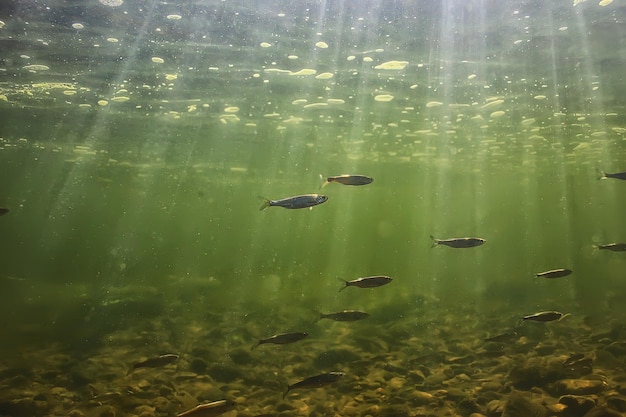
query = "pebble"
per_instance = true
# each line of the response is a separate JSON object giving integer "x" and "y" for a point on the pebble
{"x": 617, "y": 402}
{"x": 602, "y": 412}
{"x": 518, "y": 405}
{"x": 421, "y": 398}
{"x": 576, "y": 405}
{"x": 580, "y": 386}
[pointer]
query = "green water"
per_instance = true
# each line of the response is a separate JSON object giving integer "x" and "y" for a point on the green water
{"x": 146, "y": 206}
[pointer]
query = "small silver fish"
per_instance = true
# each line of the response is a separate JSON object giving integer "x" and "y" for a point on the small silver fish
{"x": 617, "y": 175}
{"x": 615, "y": 247}
{"x": 554, "y": 273}
{"x": 573, "y": 359}
{"x": 282, "y": 338}
{"x": 346, "y": 315}
{"x": 367, "y": 282}
{"x": 3, "y": 211}
{"x": 458, "y": 242}
{"x": 316, "y": 381}
{"x": 209, "y": 410}
{"x": 156, "y": 362}
{"x": 503, "y": 337}
{"x": 578, "y": 361}
{"x": 346, "y": 179}
{"x": 295, "y": 202}
{"x": 545, "y": 316}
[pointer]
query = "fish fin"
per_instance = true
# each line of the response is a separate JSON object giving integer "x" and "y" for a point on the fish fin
{"x": 266, "y": 203}
{"x": 601, "y": 174}
{"x": 345, "y": 286}
{"x": 324, "y": 181}
{"x": 320, "y": 315}
{"x": 435, "y": 241}
{"x": 595, "y": 249}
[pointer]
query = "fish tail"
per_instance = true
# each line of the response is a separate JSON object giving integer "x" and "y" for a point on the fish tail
{"x": 320, "y": 316}
{"x": 255, "y": 345}
{"x": 345, "y": 286}
{"x": 266, "y": 203}
{"x": 324, "y": 181}
{"x": 601, "y": 174}
{"x": 285, "y": 393}
{"x": 564, "y": 315}
{"x": 435, "y": 241}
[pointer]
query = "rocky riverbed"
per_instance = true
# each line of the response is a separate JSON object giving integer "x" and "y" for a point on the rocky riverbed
{"x": 428, "y": 360}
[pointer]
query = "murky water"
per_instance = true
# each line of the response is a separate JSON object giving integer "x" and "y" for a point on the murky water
{"x": 137, "y": 138}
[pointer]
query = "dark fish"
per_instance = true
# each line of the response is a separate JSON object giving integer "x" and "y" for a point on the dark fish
{"x": 346, "y": 315}
{"x": 615, "y": 247}
{"x": 156, "y": 362}
{"x": 503, "y": 337}
{"x": 295, "y": 202}
{"x": 578, "y": 362}
{"x": 458, "y": 242}
{"x": 545, "y": 316}
{"x": 283, "y": 338}
{"x": 347, "y": 179}
{"x": 617, "y": 175}
{"x": 367, "y": 282}
{"x": 3, "y": 211}
{"x": 573, "y": 359}
{"x": 210, "y": 409}
{"x": 316, "y": 381}
{"x": 555, "y": 273}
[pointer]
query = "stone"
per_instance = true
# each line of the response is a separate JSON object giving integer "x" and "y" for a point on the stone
{"x": 421, "y": 398}
{"x": 198, "y": 366}
{"x": 332, "y": 358}
{"x": 617, "y": 402}
{"x": 394, "y": 410}
{"x": 535, "y": 372}
{"x": 617, "y": 348}
{"x": 468, "y": 406}
{"x": 241, "y": 357}
{"x": 495, "y": 408}
{"x": 580, "y": 386}
{"x": 517, "y": 405}
{"x": 224, "y": 373}
{"x": 576, "y": 405}
{"x": 602, "y": 412}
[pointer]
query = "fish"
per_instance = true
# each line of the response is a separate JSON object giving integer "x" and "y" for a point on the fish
{"x": 458, "y": 242}
{"x": 346, "y": 315}
{"x": 573, "y": 359}
{"x": 554, "y": 273}
{"x": 295, "y": 202}
{"x": 615, "y": 247}
{"x": 545, "y": 316}
{"x": 316, "y": 381}
{"x": 617, "y": 175}
{"x": 346, "y": 179}
{"x": 367, "y": 282}
{"x": 3, "y": 211}
{"x": 212, "y": 409}
{"x": 578, "y": 361}
{"x": 282, "y": 338}
{"x": 503, "y": 337}
{"x": 156, "y": 362}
